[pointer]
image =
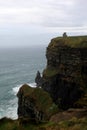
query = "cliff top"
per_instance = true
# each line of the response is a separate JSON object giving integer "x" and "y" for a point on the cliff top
{"x": 72, "y": 41}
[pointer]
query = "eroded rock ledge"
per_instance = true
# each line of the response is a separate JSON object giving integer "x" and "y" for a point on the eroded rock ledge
{"x": 35, "y": 104}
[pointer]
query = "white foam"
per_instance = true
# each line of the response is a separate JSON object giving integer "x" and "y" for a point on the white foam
{"x": 33, "y": 85}
{"x": 10, "y": 110}
{"x": 16, "y": 89}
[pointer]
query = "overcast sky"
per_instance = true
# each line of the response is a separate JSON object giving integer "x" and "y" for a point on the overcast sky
{"x": 36, "y": 18}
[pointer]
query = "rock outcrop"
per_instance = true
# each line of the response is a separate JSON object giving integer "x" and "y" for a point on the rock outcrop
{"x": 35, "y": 104}
{"x": 65, "y": 76}
{"x": 38, "y": 79}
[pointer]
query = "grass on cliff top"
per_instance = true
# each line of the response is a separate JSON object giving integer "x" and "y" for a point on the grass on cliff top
{"x": 73, "y": 124}
{"x": 25, "y": 90}
{"x": 72, "y": 41}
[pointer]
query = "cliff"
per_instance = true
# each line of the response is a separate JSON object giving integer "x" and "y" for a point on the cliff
{"x": 65, "y": 76}
{"x": 35, "y": 104}
{"x": 63, "y": 85}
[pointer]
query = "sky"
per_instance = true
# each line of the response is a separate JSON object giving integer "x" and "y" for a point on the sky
{"x": 31, "y": 22}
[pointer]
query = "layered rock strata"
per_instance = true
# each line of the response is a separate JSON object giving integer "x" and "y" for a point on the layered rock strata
{"x": 65, "y": 76}
{"x": 35, "y": 104}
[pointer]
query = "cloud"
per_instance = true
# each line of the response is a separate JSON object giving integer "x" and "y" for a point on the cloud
{"x": 47, "y": 13}
{"x": 19, "y": 15}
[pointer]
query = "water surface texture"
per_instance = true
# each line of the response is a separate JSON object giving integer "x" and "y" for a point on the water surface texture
{"x": 17, "y": 66}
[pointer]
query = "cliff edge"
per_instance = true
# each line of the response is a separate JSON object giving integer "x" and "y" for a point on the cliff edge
{"x": 65, "y": 76}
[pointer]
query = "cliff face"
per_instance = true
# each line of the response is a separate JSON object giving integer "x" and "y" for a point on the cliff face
{"x": 65, "y": 76}
{"x": 35, "y": 104}
{"x": 64, "y": 81}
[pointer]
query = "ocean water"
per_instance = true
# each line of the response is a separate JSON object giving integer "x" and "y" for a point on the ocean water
{"x": 17, "y": 67}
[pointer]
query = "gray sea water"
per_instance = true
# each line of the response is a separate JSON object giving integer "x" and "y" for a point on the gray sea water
{"x": 17, "y": 67}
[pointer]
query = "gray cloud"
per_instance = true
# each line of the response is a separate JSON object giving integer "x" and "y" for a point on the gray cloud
{"x": 47, "y": 13}
{"x": 21, "y": 20}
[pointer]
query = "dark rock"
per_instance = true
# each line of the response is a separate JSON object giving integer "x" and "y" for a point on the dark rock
{"x": 65, "y": 76}
{"x": 64, "y": 34}
{"x": 38, "y": 79}
{"x": 34, "y": 104}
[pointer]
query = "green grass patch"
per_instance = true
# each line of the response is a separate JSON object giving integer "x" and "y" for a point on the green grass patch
{"x": 50, "y": 72}
{"x": 72, "y": 41}
{"x": 73, "y": 124}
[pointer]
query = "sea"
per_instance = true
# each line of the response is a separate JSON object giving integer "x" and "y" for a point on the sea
{"x": 17, "y": 67}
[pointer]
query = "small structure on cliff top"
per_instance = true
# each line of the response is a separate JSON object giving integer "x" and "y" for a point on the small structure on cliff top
{"x": 64, "y": 34}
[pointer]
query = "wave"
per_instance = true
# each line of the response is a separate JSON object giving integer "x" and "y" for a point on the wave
{"x": 33, "y": 85}
{"x": 9, "y": 109}
{"x": 16, "y": 89}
